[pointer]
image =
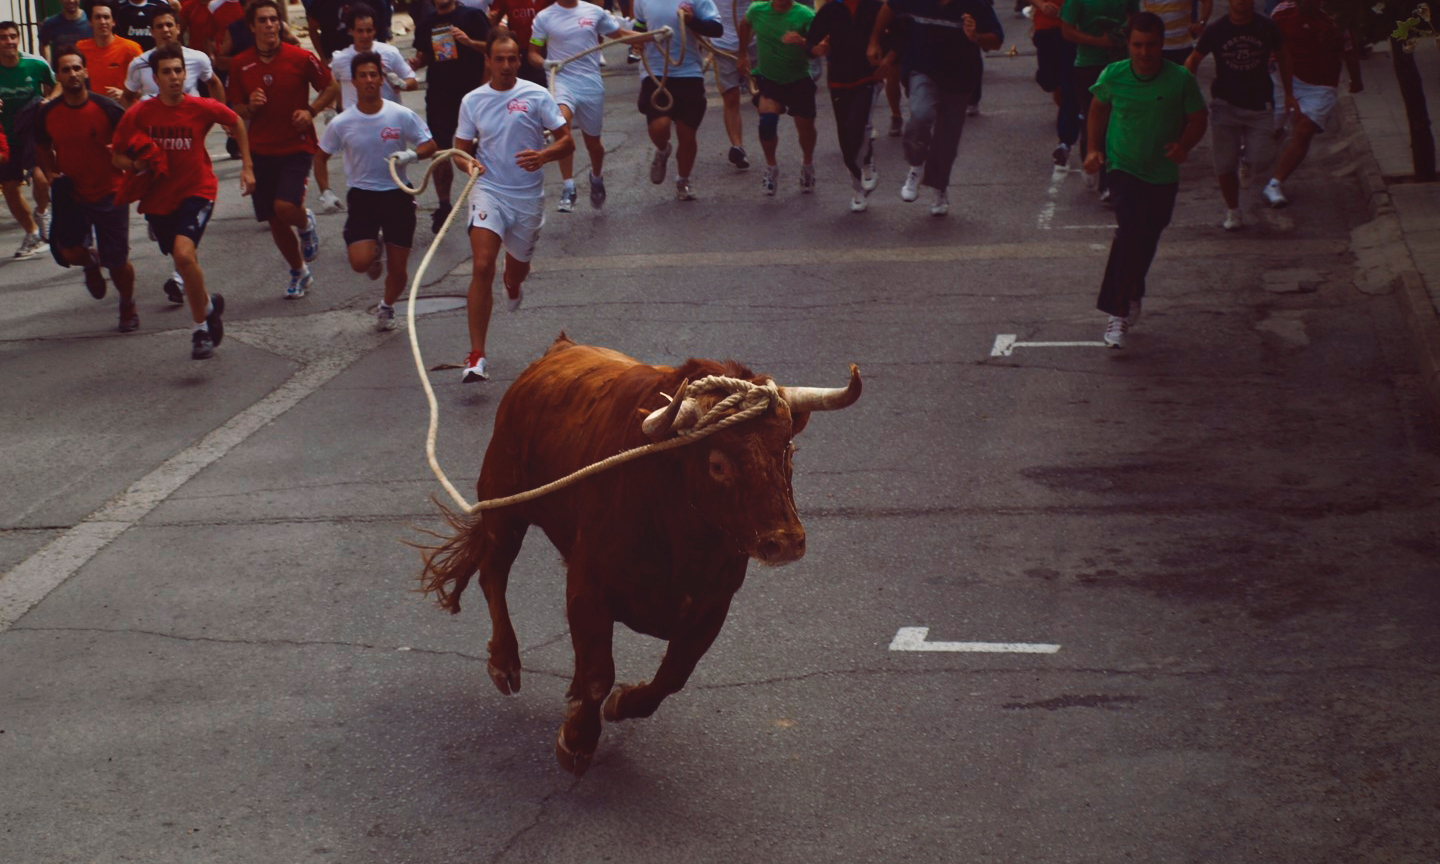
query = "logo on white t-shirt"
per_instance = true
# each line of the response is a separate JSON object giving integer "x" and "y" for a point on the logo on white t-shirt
{"x": 391, "y": 133}
{"x": 587, "y": 22}
{"x": 517, "y": 105}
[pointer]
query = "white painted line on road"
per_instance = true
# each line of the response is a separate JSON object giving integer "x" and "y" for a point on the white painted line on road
{"x": 913, "y": 639}
{"x": 32, "y": 579}
{"x": 1005, "y": 345}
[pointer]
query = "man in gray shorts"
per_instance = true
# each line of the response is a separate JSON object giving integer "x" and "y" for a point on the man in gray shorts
{"x": 1242, "y": 97}
{"x": 729, "y": 78}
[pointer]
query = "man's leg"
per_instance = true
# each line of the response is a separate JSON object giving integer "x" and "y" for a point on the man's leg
{"x": 769, "y": 128}
{"x": 397, "y": 264}
{"x": 730, "y": 99}
{"x": 362, "y": 254}
{"x": 845, "y": 104}
{"x": 19, "y": 207}
{"x": 596, "y": 148}
{"x": 40, "y": 188}
{"x": 924, "y": 107}
{"x": 687, "y": 148}
{"x": 805, "y": 131}
{"x": 514, "y": 275}
{"x": 567, "y": 162}
{"x": 950, "y": 109}
{"x": 484, "y": 249}
{"x": 659, "y": 130}
{"x": 892, "y": 96}
{"x": 1142, "y": 211}
{"x": 286, "y": 220}
{"x": 187, "y": 261}
{"x": 1295, "y": 149}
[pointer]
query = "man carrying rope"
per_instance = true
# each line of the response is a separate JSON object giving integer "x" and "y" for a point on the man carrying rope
{"x": 565, "y": 30}
{"x": 682, "y": 102}
{"x": 503, "y": 124}
{"x": 368, "y": 131}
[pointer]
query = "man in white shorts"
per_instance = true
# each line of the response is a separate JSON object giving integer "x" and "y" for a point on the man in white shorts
{"x": 140, "y": 84}
{"x": 1316, "y": 47}
{"x": 396, "y": 75}
{"x": 503, "y": 125}
{"x": 564, "y": 30}
{"x": 368, "y": 131}
{"x": 729, "y": 78}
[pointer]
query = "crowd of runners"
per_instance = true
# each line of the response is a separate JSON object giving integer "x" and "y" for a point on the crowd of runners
{"x": 117, "y": 108}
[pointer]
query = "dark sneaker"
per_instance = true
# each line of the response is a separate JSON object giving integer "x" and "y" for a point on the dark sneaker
{"x": 597, "y": 192}
{"x": 95, "y": 282}
{"x": 739, "y": 158}
{"x": 567, "y": 200}
{"x": 897, "y": 126}
{"x": 438, "y": 218}
{"x": 129, "y": 317}
{"x": 217, "y": 327}
{"x": 201, "y": 348}
{"x": 174, "y": 291}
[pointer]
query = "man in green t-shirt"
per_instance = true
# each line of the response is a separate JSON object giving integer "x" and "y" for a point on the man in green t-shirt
{"x": 1146, "y": 114}
{"x": 22, "y": 81}
{"x": 1096, "y": 28}
{"x": 783, "y": 80}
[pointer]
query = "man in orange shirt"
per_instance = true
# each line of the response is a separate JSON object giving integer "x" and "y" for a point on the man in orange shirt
{"x": 107, "y": 56}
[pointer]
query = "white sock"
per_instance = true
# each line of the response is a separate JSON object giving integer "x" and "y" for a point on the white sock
{"x": 1273, "y": 182}
{"x": 209, "y": 307}
{"x": 179, "y": 280}
{"x": 679, "y": 179}
{"x": 202, "y": 326}
{"x": 595, "y": 178}
{"x": 570, "y": 185}
{"x": 384, "y": 305}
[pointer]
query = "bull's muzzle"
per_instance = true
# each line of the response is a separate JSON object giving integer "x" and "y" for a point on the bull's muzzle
{"x": 780, "y": 547}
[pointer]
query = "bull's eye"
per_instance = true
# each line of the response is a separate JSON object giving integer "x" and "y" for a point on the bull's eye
{"x": 721, "y": 469}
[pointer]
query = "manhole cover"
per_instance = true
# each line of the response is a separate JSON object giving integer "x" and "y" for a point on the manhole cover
{"x": 431, "y": 305}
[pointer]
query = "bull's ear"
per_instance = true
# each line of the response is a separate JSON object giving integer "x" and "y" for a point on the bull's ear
{"x": 798, "y": 421}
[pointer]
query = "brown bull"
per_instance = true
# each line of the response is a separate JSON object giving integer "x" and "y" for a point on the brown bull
{"x": 659, "y": 544}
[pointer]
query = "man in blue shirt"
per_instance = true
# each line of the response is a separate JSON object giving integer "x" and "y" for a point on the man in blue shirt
{"x": 941, "y": 65}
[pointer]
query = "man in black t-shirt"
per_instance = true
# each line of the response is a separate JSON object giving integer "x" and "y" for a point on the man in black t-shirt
{"x": 450, "y": 42}
{"x": 66, "y": 28}
{"x": 1242, "y": 103}
{"x": 132, "y": 20}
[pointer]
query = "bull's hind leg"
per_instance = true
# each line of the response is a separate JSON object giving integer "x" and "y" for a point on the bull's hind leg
{"x": 681, "y": 655}
{"x": 591, "y": 633}
{"x": 504, "y": 535}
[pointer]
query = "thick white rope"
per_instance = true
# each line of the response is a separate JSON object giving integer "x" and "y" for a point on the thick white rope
{"x": 745, "y": 400}
{"x": 664, "y": 34}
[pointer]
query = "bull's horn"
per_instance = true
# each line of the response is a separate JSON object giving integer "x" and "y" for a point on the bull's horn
{"x": 681, "y": 413}
{"x": 823, "y": 398}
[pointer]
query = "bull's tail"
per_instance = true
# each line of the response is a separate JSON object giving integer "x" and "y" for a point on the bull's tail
{"x": 450, "y": 565}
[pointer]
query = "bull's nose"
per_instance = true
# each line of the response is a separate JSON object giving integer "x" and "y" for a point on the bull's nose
{"x": 781, "y": 547}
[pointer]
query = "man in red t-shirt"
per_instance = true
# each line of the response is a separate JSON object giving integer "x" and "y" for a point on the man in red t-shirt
{"x": 178, "y": 202}
{"x": 519, "y": 16}
{"x": 270, "y": 87}
{"x": 71, "y": 134}
{"x": 1316, "y": 47}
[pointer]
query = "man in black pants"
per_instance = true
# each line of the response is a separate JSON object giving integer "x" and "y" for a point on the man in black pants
{"x": 841, "y": 32}
{"x": 450, "y": 40}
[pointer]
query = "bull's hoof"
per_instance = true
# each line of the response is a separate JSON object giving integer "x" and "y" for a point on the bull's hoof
{"x": 506, "y": 681}
{"x": 575, "y": 763}
{"x": 611, "y": 711}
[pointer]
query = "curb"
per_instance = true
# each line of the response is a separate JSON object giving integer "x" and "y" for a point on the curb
{"x": 1416, "y": 306}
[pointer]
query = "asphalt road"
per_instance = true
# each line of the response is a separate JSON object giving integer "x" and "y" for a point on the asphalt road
{"x": 1228, "y": 528}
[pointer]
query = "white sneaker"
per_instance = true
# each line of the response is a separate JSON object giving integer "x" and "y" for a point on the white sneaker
{"x": 1115, "y": 332}
{"x": 1234, "y": 220}
{"x": 475, "y": 369}
{"x": 1132, "y": 317}
{"x": 941, "y": 205}
{"x": 859, "y": 204}
{"x": 807, "y": 179}
{"x": 1273, "y": 196}
{"x": 659, "y": 164}
{"x": 770, "y": 179}
{"x": 385, "y": 318}
{"x": 911, "y": 189}
{"x": 869, "y": 177}
{"x": 31, "y": 246}
{"x": 42, "y": 223}
{"x": 684, "y": 191}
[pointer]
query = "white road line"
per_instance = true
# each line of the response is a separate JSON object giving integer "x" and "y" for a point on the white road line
{"x": 1005, "y": 345}
{"x": 35, "y": 577}
{"x": 913, "y": 639}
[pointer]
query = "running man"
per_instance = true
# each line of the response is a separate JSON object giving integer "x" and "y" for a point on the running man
{"x": 140, "y": 84}
{"x": 367, "y": 132}
{"x": 1146, "y": 115}
{"x": 396, "y": 74}
{"x": 685, "y": 107}
{"x": 107, "y": 56}
{"x": 841, "y": 32}
{"x": 503, "y": 125}
{"x": 22, "y": 81}
{"x": 1242, "y": 97}
{"x": 67, "y": 26}
{"x": 178, "y": 202}
{"x": 72, "y": 135}
{"x": 783, "y": 79}
{"x": 270, "y": 88}
{"x": 450, "y": 42}
{"x": 564, "y": 30}
{"x": 1316, "y": 47}
{"x": 728, "y": 78}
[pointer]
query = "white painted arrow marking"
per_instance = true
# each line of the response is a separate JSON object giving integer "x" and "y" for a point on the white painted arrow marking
{"x": 1005, "y": 345}
{"x": 913, "y": 639}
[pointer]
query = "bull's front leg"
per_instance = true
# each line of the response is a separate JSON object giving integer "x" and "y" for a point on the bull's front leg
{"x": 682, "y": 653}
{"x": 591, "y": 633}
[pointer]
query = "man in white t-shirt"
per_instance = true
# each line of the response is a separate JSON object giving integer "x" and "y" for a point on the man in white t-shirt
{"x": 140, "y": 84}
{"x": 503, "y": 125}
{"x": 367, "y": 132}
{"x": 564, "y": 30}
{"x": 396, "y": 74}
